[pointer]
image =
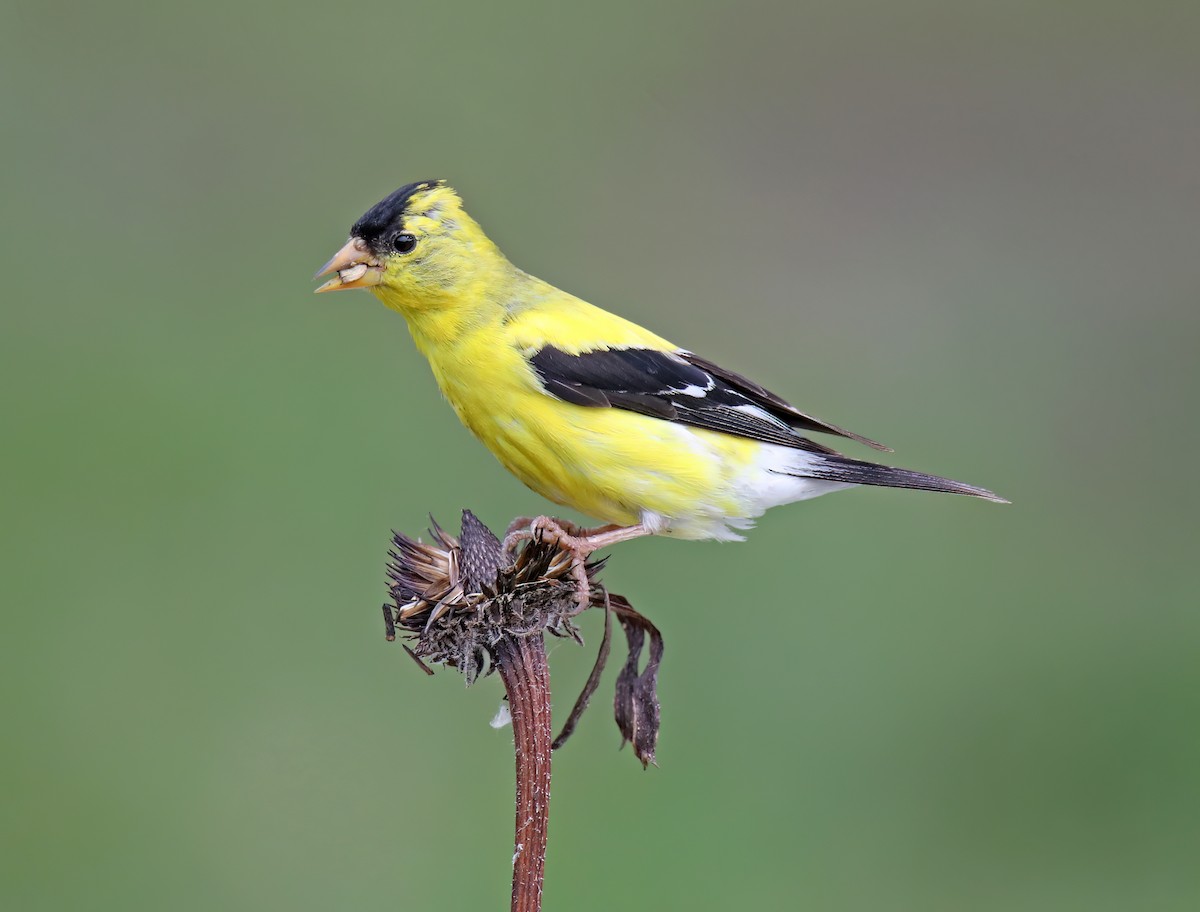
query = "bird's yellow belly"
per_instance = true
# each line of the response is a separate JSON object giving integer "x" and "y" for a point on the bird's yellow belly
{"x": 618, "y": 466}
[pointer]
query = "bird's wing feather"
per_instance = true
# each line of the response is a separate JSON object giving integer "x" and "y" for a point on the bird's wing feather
{"x": 777, "y": 405}
{"x": 678, "y": 386}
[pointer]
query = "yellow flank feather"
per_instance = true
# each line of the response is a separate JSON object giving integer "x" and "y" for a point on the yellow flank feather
{"x": 586, "y": 408}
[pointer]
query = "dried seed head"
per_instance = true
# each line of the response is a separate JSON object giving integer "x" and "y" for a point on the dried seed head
{"x": 458, "y": 596}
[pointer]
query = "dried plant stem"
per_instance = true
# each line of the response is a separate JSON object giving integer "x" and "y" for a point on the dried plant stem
{"x": 522, "y": 664}
{"x": 471, "y": 605}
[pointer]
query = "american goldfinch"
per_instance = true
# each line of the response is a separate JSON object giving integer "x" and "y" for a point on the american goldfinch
{"x": 586, "y": 408}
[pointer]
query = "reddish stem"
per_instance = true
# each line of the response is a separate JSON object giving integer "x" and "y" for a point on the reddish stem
{"x": 526, "y": 676}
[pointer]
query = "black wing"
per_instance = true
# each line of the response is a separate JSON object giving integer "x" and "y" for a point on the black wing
{"x": 679, "y": 386}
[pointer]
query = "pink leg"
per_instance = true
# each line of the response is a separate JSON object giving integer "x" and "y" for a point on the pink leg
{"x": 580, "y": 542}
{"x": 522, "y": 529}
{"x": 606, "y": 536}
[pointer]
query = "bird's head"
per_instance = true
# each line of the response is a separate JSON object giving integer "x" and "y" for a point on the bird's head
{"x": 417, "y": 249}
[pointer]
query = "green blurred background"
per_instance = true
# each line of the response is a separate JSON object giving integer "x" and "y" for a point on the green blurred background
{"x": 966, "y": 229}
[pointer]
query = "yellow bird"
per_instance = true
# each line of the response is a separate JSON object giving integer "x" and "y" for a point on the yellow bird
{"x": 586, "y": 408}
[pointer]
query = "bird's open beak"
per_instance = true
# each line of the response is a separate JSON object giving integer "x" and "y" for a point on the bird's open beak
{"x": 355, "y": 265}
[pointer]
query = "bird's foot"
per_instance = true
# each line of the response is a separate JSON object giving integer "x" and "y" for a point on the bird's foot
{"x": 580, "y": 542}
{"x": 524, "y": 528}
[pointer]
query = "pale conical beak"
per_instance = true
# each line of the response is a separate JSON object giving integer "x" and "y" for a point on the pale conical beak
{"x": 355, "y": 265}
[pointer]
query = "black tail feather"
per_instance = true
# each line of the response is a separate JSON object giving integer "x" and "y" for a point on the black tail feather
{"x": 854, "y": 471}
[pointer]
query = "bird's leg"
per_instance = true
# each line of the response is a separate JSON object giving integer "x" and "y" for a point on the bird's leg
{"x": 606, "y": 536}
{"x": 582, "y": 543}
{"x": 522, "y": 529}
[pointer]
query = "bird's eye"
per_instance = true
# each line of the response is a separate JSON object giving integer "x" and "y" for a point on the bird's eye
{"x": 404, "y": 243}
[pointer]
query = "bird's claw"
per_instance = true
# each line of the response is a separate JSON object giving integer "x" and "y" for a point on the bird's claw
{"x": 566, "y": 536}
{"x": 579, "y": 542}
{"x": 519, "y": 530}
{"x": 546, "y": 528}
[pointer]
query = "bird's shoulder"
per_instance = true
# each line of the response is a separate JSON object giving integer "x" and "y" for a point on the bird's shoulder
{"x": 574, "y": 326}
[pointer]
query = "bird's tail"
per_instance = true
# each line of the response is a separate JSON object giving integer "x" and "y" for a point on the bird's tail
{"x": 853, "y": 471}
